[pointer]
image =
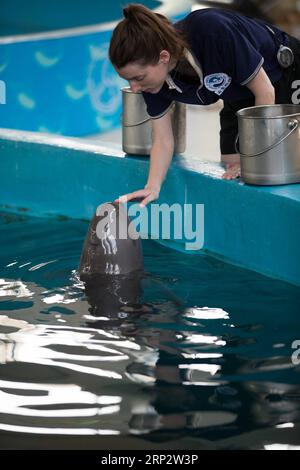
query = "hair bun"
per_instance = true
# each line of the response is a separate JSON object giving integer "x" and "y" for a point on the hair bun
{"x": 127, "y": 12}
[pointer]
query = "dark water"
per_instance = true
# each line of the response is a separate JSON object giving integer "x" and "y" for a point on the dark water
{"x": 204, "y": 361}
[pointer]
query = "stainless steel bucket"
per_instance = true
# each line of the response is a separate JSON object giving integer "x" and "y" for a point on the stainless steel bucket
{"x": 137, "y": 125}
{"x": 269, "y": 144}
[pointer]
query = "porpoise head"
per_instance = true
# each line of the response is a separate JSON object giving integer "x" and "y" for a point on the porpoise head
{"x": 111, "y": 264}
{"x": 112, "y": 246}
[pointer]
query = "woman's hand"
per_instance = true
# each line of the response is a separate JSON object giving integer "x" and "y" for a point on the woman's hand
{"x": 232, "y": 163}
{"x": 146, "y": 195}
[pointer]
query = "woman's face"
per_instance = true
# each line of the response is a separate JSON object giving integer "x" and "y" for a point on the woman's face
{"x": 148, "y": 78}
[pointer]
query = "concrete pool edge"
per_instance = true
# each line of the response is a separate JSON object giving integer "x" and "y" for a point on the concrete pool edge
{"x": 257, "y": 228}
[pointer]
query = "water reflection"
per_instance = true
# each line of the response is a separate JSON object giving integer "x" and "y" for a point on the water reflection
{"x": 165, "y": 333}
{"x": 175, "y": 373}
{"x": 146, "y": 359}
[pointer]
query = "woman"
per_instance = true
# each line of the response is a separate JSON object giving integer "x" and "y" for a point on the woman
{"x": 210, "y": 54}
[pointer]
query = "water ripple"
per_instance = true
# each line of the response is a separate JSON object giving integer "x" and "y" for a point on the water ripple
{"x": 205, "y": 353}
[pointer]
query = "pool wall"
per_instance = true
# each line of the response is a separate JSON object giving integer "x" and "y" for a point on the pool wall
{"x": 61, "y": 81}
{"x": 251, "y": 226}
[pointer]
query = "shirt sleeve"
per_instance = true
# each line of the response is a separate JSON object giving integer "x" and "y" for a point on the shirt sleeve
{"x": 156, "y": 104}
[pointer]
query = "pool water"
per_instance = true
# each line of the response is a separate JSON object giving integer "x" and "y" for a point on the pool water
{"x": 204, "y": 360}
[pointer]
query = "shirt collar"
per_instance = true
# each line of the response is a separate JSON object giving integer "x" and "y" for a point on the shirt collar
{"x": 171, "y": 84}
{"x": 196, "y": 66}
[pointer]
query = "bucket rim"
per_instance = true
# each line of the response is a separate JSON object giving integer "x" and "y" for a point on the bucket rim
{"x": 127, "y": 89}
{"x": 239, "y": 112}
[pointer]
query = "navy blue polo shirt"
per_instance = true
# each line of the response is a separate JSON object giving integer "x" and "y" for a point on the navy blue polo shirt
{"x": 230, "y": 49}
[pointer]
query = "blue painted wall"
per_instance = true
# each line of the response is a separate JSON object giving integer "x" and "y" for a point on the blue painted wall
{"x": 63, "y": 82}
{"x": 60, "y": 85}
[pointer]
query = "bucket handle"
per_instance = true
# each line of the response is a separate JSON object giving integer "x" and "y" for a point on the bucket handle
{"x": 137, "y": 123}
{"x": 292, "y": 125}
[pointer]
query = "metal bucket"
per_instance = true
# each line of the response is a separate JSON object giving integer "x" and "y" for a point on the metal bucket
{"x": 137, "y": 125}
{"x": 269, "y": 144}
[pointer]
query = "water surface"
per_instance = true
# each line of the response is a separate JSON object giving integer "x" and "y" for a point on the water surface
{"x": 202, "y": 361}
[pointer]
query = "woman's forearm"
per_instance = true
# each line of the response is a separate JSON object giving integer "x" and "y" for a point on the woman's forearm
{"x": 160, "y": 160}
{"x": 265, "y": 98}
{"x": 262, "y": 89}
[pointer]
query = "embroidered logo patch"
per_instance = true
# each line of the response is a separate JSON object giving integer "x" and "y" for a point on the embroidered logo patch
{"x": 217, "y": 82}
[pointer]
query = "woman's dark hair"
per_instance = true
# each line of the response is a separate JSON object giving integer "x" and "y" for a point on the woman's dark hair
{"x": 142, "y": 35}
